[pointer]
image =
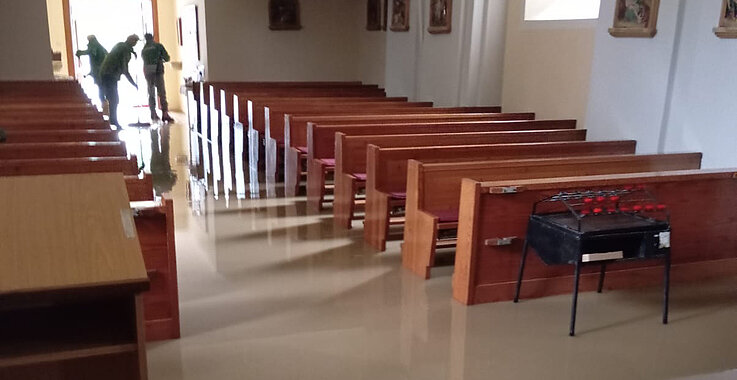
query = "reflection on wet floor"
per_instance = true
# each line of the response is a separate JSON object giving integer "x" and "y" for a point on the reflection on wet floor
{"x": 152, "y": 147}
{"x": 269, "y": 291}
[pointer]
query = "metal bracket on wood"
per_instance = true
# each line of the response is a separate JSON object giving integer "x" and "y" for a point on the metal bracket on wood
{"x": 505, "y": 190}
{"x": 498, "y": 242}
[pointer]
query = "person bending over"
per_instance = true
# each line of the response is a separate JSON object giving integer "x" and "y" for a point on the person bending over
{"x": 115, "y": 65}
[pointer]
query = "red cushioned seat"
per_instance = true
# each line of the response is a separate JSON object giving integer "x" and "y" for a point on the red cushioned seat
{"x": 446, "y": 216}
{"x": 359, "y": 176}
{"x": 302, "y": 149}
{"x": 328, "y": 161}
{"x": 398, "y": 195}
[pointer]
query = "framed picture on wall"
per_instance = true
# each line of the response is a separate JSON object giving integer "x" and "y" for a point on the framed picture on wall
{"x": 284, "y": 15}
{"x": 728, "y": 20}
{"x": 635, "y": 18}
{"x": 400, "y": 15}
{"x": 375, "y": 15}
{"x": 440, "y": 16}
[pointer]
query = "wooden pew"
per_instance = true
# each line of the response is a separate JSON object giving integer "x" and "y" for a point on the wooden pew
{"x": 10, "y": 151}
{"x": 386, "y": 171}
{"x": 350, "y": 158}
{"x": 48, "y": 149}
{"x": 201, "y": 91}
{"x": 256, "y": 116}
{"x": 324, "y": 141}
{"x": 267, "y": 118}
{"x": 298, "y": 127}
{"x": 276, "y": 112}
{"x": 56, "y": 114}
{"x": 433, "y": 191}
{"x": 39, "y": 86}
{"x": 231, "y": 88}
{"x": 140, "y": 189}
{"x": 51, "y": 105}
{"x": 61, "y": 135}
{"x": 155, "y": 227}
{"x": 296, "y": 121}
{"x": 703, "y": 242}
{"x": 51, "y": 124}
{"x": 128, "y": 166}
{"x": 294, "y": 130}
{"x": 213, "y": 98}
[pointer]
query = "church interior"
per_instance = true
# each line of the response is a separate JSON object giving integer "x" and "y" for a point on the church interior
{"x": 368, "y": 189}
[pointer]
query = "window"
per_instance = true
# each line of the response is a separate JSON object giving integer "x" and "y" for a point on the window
{"x": 539, "y": 10}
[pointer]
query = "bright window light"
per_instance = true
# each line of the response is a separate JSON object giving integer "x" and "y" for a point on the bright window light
{"x": 539, "y": 10}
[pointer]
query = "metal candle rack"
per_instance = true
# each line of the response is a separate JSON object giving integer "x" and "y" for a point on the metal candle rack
{"x": 598, "y": 226}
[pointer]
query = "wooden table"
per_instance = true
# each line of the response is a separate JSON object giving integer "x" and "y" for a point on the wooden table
{"x": 71, "y": 274}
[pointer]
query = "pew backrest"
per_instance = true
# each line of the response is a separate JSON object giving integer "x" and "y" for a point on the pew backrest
{"x": 350, "y": 151}
{"x": 386, "y": 168}
{"x": 298, "y": 125}
{"x": 436, "y": 186}
{"x": 322, "y": 139}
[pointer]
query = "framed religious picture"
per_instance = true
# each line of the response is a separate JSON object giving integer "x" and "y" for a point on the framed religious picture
{"x": 400, "y": 15}
{"x": 727, "y": 20}
{"x": 440, "y": 15}
{"x": 375, "y": 14}
{"x": 635, "y": 18}
{"x": 284, "y": 15}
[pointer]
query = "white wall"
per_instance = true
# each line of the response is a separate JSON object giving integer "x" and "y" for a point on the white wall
{"x": 629, "y": 80}
{"x": 703, "y": 112}
{"x": 674, "y": 92}
{"x": 460, "y": 68}
{"x": 547, "y": 65}
{"x": 371, "y": 47}
{"x": 241, "y": 46}
{"x": 24, "y": 40}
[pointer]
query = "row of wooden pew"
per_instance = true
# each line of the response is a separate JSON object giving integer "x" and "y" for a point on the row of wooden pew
{"x": 463, "y": 178}
{"x": 52, "y": 128}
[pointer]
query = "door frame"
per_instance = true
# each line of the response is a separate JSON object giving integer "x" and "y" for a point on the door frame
{"x": 68, "y": 31}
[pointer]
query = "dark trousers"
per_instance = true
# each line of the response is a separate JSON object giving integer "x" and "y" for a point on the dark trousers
{"x": 109, "y": 86}
{"x": 156, "y": 84}
{"x": 101, "y": 92}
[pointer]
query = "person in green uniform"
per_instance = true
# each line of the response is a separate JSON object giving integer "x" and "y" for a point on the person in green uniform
{"x": 97, "y": 54}
{"x": 115, "y": 65}
{"x": 154, "y": 55}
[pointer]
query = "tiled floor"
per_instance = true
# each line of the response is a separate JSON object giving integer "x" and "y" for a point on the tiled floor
{"x": 268, "y": 292}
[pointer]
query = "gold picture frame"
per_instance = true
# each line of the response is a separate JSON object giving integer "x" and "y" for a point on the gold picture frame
{"x": 441, "y": 15}
{"x": 400, "y": 16}
{"x": 635, "y": 18}
{"x": 727, "y": 20}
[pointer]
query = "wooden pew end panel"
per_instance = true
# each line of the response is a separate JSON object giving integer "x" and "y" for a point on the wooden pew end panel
{"x": 421, "y": 236}
{"x": 155, "y": 227}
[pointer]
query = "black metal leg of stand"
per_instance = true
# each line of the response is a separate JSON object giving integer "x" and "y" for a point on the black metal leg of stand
{"x": 602, "y": 273}
{"x": 572, "y": 329}
{"x": 666, "y": 289}
{"x": 521, "y": 272}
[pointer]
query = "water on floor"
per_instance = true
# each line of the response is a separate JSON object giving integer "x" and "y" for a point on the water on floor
{"x": 268, "y": 291}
